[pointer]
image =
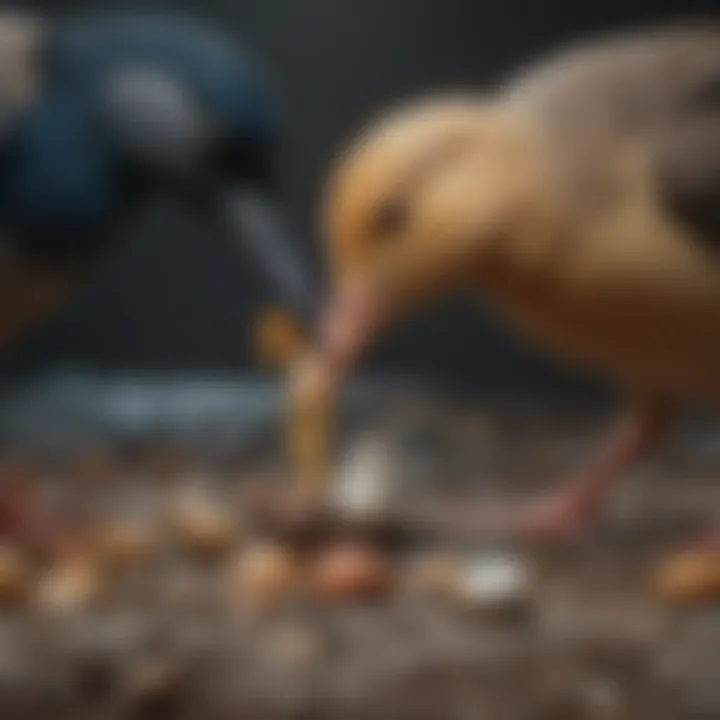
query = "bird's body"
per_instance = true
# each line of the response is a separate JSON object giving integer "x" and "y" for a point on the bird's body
{"x": 580, "y": 201}
{"x": 625, "y": 285}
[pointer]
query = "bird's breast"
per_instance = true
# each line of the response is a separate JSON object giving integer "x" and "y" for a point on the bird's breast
{"x": 632, "y": 299}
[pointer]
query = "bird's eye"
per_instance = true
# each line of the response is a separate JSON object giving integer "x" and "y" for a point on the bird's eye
{"x": 390, "y": 219}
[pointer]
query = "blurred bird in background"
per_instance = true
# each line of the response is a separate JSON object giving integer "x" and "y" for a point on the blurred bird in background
{"x": 98, "y": 116}
{"x": 581, "y": 201}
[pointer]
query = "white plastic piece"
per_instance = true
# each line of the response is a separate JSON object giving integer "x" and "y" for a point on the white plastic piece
{"x": 365, "y": 482}
{"x": 495, "y": 583}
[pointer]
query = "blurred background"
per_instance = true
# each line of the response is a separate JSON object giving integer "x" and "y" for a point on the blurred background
{"x": 174, "y": 299}
{"x": 146, "y": 528}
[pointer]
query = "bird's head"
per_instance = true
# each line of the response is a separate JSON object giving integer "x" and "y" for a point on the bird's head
{"x": 187, "y": 110}
{"x": 419, "y": 207}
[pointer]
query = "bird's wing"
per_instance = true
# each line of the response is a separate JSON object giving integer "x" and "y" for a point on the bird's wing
{"x": 687, "y": 163}
{"x": 659, "y": 89}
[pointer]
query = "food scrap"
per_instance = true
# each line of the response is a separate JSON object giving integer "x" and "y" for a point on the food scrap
{"x": 310, "y": 405}
{"x": 690, "y": 577}
{"x": 278, "y": 338}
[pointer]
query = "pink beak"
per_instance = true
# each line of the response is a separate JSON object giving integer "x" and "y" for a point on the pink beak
{"x": 354, "y": 318}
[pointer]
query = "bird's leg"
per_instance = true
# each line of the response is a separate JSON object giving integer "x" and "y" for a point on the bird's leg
{"x": 571, "y": 509}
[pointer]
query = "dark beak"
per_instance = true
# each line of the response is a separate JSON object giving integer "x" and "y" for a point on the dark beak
{"x": 256, "y": 226}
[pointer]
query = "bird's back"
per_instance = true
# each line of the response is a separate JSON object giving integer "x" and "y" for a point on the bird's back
{"x": 632, "y": 289}
{"x": 631, "y": 83}
{"x": 597, "y": 101}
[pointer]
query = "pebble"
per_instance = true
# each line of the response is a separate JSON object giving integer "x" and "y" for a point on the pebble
{"x": 204, "y": 526}
{"x": 72, "y": 586}
{"x": 690, "y": 577}
{"x": 494, "y": 583}
{"x": 434, "y": 576}
{"x": 121, "y": 544}
{"x": 264, "y": 576}
{"x": 364, "y": 487}
{"x": 349, "y": 572}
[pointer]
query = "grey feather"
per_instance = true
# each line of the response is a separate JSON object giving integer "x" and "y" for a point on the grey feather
{"x": 658, "y": 91}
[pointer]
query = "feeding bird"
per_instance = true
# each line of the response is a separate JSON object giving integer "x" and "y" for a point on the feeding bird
{"x": 580, "y": 200}
{"x": 101, "y": 114}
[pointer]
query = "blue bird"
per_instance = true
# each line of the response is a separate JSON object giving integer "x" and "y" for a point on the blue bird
{"x": 99, "y": 115}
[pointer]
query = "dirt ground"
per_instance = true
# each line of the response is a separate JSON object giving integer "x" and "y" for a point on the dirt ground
{"x": 169, "y": 638}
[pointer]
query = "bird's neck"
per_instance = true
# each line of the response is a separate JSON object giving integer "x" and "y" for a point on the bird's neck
{"x": 529, "y": 250}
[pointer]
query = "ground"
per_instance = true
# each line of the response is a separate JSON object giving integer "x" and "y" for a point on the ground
{"x": 594, "y": 639}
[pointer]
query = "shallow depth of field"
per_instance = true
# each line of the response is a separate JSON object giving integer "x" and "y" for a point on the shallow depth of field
{"x": 170, "y": 571}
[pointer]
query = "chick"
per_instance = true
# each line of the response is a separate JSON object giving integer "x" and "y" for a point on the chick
{"x": 581, "y": 202}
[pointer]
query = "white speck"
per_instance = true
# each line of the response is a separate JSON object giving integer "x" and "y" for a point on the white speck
{"x": 365, "y": 483}
{"x": 495, "y": 583}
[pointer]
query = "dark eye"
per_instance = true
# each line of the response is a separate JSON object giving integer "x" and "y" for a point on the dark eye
{"x": 390, "y": 219}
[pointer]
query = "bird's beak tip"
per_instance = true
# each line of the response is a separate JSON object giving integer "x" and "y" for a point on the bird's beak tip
{"x": 349, "y": 325}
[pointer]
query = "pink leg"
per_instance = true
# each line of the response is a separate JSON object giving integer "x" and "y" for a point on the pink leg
{"x": 570, "y": 510}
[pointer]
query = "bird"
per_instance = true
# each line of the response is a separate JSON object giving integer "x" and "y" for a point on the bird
{"x": 578, "y": 200}
{"x": 101, "y": 114}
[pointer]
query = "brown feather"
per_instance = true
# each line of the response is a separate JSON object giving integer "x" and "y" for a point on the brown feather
{"x": 563, "y": 216}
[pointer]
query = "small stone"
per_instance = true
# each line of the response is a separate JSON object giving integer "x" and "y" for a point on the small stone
{"x": 264, "y": 576}
{"x": 73, "y": 586}
{"x": 15, "y": 580}
{"x": 364, "y": 486}
{"x": 349, "y": 572}
{"x": 434, "y": 576}
{"x": 690, "y": 577}
{"x": 122, "y": 544}
{"x": 494, "y": 583}
{"x": 203, "y": 525}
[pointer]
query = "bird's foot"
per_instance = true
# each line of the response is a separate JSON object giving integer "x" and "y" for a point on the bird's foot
{"x": 561, "y": 516}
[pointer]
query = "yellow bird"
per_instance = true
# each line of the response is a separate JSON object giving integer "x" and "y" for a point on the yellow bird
{"x": 581, "y": 202}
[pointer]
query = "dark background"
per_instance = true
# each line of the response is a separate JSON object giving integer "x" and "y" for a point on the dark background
{"x": 174, "y": 298}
